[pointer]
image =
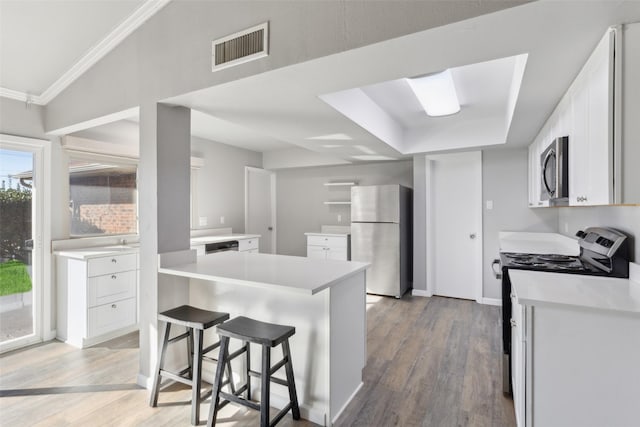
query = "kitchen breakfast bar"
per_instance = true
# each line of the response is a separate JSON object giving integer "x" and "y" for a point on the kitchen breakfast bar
{"x": 324, "y": 300}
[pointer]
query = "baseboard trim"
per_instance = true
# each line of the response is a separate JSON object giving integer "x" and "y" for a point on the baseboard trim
{"x": 492, "y": 301}
{"x": 420, "y": 293}
{"x": 347, "y": 402}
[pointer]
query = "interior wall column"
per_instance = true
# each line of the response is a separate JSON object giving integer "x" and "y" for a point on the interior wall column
{"x": 164, "y": 217}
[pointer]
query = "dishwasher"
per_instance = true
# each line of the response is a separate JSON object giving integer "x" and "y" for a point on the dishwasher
{"x": 212, "y": 248}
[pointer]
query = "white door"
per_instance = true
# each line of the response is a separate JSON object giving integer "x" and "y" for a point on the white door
{"x": 259, "y": 212}
{"x": 454, "y": 225}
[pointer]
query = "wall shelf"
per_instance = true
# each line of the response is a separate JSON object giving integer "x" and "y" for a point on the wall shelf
{"x": 339, "y": 184}
{"x": 338, "y": 203}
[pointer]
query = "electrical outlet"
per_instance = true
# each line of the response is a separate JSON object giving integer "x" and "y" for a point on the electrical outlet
{"x": 489, "y": 205}
{"x": 221, "y": 220}
{"x": 202, "y": 221}
{"x": 339, "y": 218}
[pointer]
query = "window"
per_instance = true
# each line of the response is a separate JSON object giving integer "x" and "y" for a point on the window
{"x": 103, "y": 197}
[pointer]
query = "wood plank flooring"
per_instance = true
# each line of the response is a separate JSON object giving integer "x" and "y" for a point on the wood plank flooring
{"x": 431, "y": 362}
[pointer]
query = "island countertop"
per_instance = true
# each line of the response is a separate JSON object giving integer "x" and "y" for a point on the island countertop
{"x": 287, "y": 273}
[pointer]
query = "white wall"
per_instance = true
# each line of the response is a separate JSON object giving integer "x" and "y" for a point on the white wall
{"x": 300, "y": 193}
{"x": 623, "y": 218}
{"x": 504, "y": 181}
{"x": 220, "y": 183}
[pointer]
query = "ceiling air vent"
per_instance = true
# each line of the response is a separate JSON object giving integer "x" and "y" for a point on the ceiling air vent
{"x": 245, "y": 46}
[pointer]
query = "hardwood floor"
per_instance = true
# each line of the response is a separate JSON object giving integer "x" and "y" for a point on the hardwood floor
{"x": 432, "y": 362}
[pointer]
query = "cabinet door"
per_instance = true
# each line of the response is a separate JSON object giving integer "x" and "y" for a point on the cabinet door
{"x": 579, "y": 145}
{"x": 317, "y": 252}
{"x": 518, "y": 361}
{"x": 339, "y": 254}
{"x": 600, "y": 146}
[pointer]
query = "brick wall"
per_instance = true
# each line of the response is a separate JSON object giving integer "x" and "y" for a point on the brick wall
{"x": 111, "y": 219}
{"x": 103, "y": 203}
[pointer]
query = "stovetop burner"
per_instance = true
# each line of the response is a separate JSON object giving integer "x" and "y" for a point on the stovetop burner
{"x": 556, "y": 258}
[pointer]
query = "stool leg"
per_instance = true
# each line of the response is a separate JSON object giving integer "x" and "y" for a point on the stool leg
{"x": 196, "y": 384}
{"x": 288, "y": 367}
{"x": 217, "y": 381}
{"x": 248, "y": 359}
{"x": 190, "y": 351}
{"x": 265, "y": 378}
{"x": 157, "y": 378}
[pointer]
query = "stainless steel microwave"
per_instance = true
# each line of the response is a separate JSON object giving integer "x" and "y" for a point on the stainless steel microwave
{"x": 554, "y": 172}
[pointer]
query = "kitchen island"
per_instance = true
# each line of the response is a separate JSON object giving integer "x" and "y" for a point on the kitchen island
{"x": 323, "y": 299}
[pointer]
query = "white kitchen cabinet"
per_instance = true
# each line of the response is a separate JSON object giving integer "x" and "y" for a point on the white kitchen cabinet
{"x": 574, "y": 366}
{"x": 328, "y": 246}
{"x": 585, "y": 115}
{"x": 249, "y": 245}
{"x": 591, "y": 144}
{"x": 518, "y": 360}
{"x": 97, "y": 298}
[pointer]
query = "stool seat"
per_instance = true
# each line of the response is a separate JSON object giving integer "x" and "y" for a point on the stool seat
{"x": 193, "y": 317}
{"x": 251, "y": 330}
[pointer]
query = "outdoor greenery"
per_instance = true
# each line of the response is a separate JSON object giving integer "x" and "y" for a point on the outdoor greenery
{"x": 14, "y": 278}
{"x": 15, "y": 223}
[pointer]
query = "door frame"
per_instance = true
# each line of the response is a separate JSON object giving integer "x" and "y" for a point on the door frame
{"x": 430, "y": 223}
{"x": 43, "y": 297}
{"x": 272, "y": 177}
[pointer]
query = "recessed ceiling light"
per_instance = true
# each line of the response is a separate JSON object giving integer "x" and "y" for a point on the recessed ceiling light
{"x": 436, "y": 93}
{"x": 372, "y": 157}
{"x": 365, "y": 149}
{"x": 332, "y": 137}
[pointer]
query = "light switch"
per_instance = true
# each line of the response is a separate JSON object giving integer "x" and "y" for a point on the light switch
{"x": 221, "y": 220}
{"x": 339, "y": 218}
{"x": 202, "y": 221}
{"x": 489, "y": 205}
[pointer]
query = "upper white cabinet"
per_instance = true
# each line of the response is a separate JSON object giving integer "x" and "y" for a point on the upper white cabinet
{"x": 590, "y": 115}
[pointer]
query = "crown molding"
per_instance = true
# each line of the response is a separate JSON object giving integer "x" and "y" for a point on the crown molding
{"x": 20, "y": 96}
{"x": 96, "y": 53}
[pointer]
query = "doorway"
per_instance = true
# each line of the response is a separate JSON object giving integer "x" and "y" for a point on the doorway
{"x": 260, "y": 206}
{"x": 454, "y": 225}
{"x": 21, "y": 241}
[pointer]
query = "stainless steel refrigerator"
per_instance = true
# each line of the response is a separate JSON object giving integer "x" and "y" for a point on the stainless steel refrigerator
{"x": 381, "y": 235}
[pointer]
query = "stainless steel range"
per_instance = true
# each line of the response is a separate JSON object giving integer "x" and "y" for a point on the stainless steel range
{"x": 603, "y": 252}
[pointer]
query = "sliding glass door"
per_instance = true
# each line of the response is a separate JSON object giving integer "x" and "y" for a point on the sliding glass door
{"x": 20, "y": 243}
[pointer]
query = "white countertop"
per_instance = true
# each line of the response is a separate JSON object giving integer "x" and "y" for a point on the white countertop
{"x": 576, "y": 290}
{"x": 99, "y": 251}
{"x": 203, "y": 240}
{"x": 538, "y": 243}
{"x": 288, "y": 273}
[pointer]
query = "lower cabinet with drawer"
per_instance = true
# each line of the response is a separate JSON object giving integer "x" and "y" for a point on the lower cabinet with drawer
{"x": 97, "y": 298}
{"x": 329, "y": 246}
{"x": 249, "y": 245}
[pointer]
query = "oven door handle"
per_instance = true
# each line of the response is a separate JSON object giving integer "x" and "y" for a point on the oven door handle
{"x": 498, "y": 274}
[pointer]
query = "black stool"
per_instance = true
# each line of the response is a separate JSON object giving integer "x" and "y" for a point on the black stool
{"x": 267, "y": 335}
{"x": 196, "y": 321}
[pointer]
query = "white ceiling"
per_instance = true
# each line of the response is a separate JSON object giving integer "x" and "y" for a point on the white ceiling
{"x": 42, "y": 41}
{"x": 45, "y": 45}
{"x": 284, "y": 104}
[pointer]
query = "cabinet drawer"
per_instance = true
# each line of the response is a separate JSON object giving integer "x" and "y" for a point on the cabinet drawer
{"x": 111, "y": 264}
{"x": 111, "y": 287}
{"x": 248, "y": 244}
{"x": 331, "y": 241}
{"x": 109, "y": 317}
